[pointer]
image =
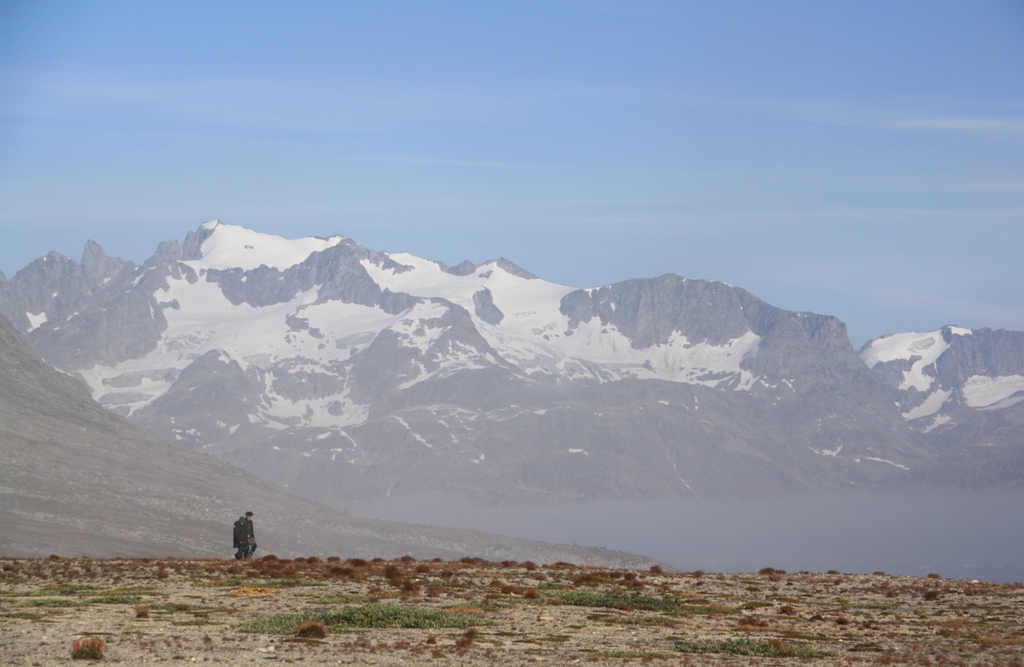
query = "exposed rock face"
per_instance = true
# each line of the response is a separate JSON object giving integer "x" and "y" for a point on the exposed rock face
{"x": 963, "y": 391}
{"x": 346, "y": 373}
{"x": 76, "y": 479}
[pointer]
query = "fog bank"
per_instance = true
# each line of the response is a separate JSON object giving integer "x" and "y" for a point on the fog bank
{"x": 955, "y": 535}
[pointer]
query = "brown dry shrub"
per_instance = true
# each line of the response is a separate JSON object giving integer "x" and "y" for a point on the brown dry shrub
{"x": 466, "y": 640}
{"x": 588, "y": 579}
{"x": 90, "y": 648}
{"x": 339, "y": 571}
{"x": 312, "y": 630}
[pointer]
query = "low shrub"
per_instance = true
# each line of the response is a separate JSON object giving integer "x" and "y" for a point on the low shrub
{"x": 587, "y": 598}
{"x": 312, "y": 630}
{"x": 761, "y": 648}
{"x": 374, "y": 615}
{"x": 466, "y": 640}
{"x": 90, "y": 648}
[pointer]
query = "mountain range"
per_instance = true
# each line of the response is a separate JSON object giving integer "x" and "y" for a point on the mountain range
{"x": 343, "y": 374}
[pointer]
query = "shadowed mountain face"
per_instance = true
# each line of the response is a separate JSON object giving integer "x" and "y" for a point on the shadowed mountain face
{"x": 963, "y": 392}
{"x": 346, "y": 374}
{"x": 76, "y": 479}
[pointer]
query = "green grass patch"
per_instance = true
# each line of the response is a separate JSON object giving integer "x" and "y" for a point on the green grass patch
{"x": 68, "y": 589}
{"x": 23, "y": 615}
{"x": 760, "y": 648}
{"x": 133, "y": 590}
{"x": 51, "y": 602}
{"x": 584, "y": 598}
{"x": 219, "y": 583}
{"x": 114, "y": 599}
{"x": 756, "y": 604}
{"x": 376, "y": 615}
{"x": 345, "y": 598}
{"x": 633, "y": 619}
{"x": 635, "y": 654}
{"x": 291, "y": 583}
{"x": 796, "y": 634}
{"x": 172, "y": 607}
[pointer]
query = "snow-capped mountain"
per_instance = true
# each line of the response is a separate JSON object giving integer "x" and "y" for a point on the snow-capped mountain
{"x": 342, "y": 372}
{"x": 963, "y": 391}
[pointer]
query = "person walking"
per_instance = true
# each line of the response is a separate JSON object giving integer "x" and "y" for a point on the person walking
{"x": 251, "y": 535}
{"x": 244, "y": 537}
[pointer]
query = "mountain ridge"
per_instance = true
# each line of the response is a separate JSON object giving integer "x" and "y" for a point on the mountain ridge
{"x": 359, "y": 373}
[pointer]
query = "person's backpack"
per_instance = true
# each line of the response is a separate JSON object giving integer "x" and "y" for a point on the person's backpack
{"x": 239, "y": 535}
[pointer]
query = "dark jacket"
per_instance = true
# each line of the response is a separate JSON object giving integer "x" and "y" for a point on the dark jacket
{"x": 241, "y": 533}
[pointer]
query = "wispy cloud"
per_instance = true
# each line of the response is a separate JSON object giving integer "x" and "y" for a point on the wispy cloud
{"x": 305, "y": 105}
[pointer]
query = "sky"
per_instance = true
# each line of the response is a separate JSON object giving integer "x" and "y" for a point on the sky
{"x": 859, "y": 159}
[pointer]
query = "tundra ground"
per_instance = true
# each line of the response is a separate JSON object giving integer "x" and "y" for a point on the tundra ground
{"x": 474, "y": 612}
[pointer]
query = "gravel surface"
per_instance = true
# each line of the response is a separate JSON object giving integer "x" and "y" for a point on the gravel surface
{"x": 473, "y": 612}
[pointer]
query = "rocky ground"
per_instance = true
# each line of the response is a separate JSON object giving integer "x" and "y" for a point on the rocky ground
{"x": 473, "y": 612}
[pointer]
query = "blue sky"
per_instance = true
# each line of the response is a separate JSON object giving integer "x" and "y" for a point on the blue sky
{"x": 860, "y": 159}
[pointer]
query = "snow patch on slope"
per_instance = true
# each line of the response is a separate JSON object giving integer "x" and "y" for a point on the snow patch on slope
{"x": 992, "y": 393}
{"x": 930, "y": 406}
{"x": 35, "y": 320}
{"x": 925, "y": 347}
